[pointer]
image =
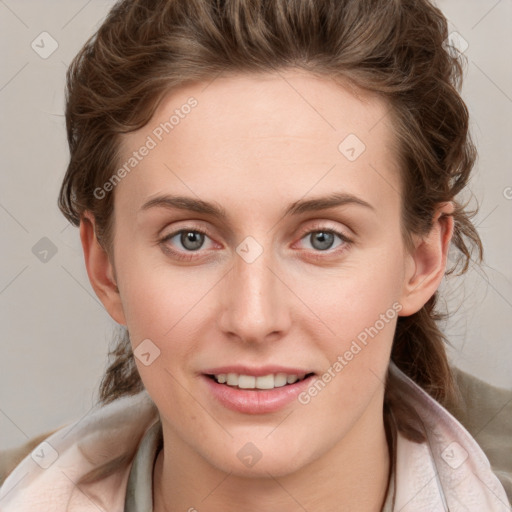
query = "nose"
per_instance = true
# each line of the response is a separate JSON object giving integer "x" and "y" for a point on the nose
{"x": 254, "y": 301}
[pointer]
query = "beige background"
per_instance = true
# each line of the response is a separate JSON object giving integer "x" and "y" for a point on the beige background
{"x": 54, "y": 331}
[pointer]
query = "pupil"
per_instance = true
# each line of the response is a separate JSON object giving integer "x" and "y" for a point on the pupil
{"x": 326, "y": 240}
{"x": 192, "y": 240}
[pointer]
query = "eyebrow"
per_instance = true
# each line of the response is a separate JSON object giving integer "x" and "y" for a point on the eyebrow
{"x": 215, "y": 210}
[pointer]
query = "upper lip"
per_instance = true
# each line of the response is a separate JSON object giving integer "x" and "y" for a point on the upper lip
{"x": 257, "y": 371}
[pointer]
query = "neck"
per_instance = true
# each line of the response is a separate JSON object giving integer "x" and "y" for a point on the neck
{"x": 353, "y": 475}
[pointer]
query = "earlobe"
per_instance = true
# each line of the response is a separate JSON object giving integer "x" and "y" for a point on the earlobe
{"x": 427, "y": 262}
{"x": 100, "y": 270}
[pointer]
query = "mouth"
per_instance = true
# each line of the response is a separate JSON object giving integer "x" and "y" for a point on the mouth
{"x": 261, "y": 382}
{"x": 256, "y": 391}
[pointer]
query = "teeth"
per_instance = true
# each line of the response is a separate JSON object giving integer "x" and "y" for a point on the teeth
{"x": 266, "y": 382}
{"x": 290, "y": 379}
{"x": 246, "y": 382}
{"x": 270, "y": 381}
{"x": 280, "y": 380}
{"x": 232, "y": 379}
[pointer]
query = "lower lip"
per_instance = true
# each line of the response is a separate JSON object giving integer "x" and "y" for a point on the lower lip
{"x": 251, "y": 401}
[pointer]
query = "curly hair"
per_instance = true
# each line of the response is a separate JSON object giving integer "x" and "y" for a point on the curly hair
{"x": 396, "y": 49}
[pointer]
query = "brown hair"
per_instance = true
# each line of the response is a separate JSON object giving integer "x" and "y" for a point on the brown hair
{"x": 394, "y": 48}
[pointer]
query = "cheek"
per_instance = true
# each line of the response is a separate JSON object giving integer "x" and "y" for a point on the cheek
{"x": 358, "y": 308}
{"x": 361, "y": 314}
{"x": 163, "y": 315}
{"x": 352, "y": 298}
{"x": 168, "y": 306}
{"x": 162, "y": 308}
{"x": 154, "y": 294}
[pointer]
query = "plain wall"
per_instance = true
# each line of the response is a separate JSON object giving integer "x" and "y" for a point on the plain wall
{"x": 55, "y": 333}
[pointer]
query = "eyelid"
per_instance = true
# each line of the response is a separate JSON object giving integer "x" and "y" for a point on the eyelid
{"x": 308, "y": 230}
{"x": 178, "y": 254}
{"x": 177, "y": 231}
{"x": 180, "y": 226}
{"x": 324, "y": 226}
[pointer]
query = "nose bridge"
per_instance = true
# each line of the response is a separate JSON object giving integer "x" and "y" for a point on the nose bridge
{"x": 253, "y": 303}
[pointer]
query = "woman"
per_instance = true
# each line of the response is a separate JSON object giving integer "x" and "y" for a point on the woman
{"x": 266, "y": 194}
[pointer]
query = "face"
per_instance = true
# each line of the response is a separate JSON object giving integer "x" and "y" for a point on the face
{"x": 285, "y": 256}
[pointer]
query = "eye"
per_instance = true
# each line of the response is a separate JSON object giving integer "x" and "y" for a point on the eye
{"x": 324, "y": 239}
{"x": 184, "y": 243}
{"x": 186, "y": 240}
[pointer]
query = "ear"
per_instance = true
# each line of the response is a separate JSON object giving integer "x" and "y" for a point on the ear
{"x": 426, "y": 264}
{"x": 100, "y": 270}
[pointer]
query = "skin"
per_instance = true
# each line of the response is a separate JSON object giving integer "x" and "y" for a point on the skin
{"x": 254, "y": 145}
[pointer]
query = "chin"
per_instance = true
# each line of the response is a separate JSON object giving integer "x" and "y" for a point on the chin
{"x": 277, "y": 466}
{"x": 262, "y": 458}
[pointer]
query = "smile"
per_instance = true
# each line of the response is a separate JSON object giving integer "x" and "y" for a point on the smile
{"x": 270, "y": 381}
{"x": 256, "y": 390}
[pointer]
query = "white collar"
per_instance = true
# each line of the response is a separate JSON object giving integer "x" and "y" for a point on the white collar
{"x": 449, "y": 472}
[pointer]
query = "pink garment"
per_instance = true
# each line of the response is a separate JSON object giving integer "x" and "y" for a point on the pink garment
{"x": 449, "y": 472}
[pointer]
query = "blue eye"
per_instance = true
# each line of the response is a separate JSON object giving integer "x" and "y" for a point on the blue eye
{"x": 321, "y": 244}
{"x": 190, "y": 239}
{"x": 193, "y": 240}
{"x": 322, "y": 240}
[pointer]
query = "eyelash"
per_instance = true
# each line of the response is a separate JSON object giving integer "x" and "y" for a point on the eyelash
{"x": 346, "y": 241}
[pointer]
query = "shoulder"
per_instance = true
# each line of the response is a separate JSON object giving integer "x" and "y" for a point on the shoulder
{"x": 450, "y": 469}
{"x": 9, "y": 459}
{"x": 486, "y": 412}
{"x": 89, "y": 457}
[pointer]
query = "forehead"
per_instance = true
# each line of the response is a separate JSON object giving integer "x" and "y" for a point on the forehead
{"x": 288, "y": 131}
